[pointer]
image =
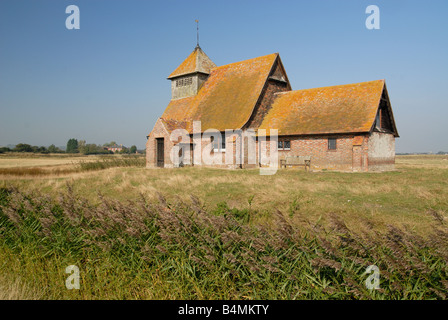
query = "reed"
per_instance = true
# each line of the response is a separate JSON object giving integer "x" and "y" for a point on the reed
{"x": 179, "y": 249}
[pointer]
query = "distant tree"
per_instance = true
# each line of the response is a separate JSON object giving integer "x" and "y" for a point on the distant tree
{"x": 124, "y": 150}
{"x": 4, "y": 149}
{"x": 54, "y": 149}
{"x": 82, "y": 146}
{"x": 92, "y": 148}
{"x": 72, "y": 146}
{"x": 133, "y": 149}
{"x": 39, "y": 149}
{"x": 23, "y": 147}
{"x": 110, "y": 144}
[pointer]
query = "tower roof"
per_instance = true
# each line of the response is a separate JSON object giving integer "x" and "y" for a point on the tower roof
{"x": 226, "y": 100}
{"x": 197, "y": 61}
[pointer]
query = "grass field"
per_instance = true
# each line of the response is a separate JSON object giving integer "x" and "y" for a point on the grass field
{"x": 198, "y": 233}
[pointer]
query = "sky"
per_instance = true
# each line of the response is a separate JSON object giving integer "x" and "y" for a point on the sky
{"x": 106, "y": 81}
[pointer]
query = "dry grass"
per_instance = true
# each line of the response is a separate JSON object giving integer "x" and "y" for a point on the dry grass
{"x": 412, "y": 198}
{"x": 36, "y": 162}
{"x": 13, "y": 166}
{"x": 425, "y": 161}
{"x": 401, "y": 198}
{"x": 18, "y": 160}
{"x": 16, "y": 289}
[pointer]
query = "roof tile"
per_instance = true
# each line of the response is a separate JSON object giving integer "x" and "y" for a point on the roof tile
{"x": 326, "y": 110}
{"x": 197, "y": 61}
{"x": 227, "y": 99}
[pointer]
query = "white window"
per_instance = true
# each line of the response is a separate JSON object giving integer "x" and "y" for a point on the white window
{"x": 219, "y": 145}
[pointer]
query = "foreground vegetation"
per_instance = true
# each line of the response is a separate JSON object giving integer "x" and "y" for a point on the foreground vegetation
{"x": 179, "y": 250}
{"x": 216, "y": 234}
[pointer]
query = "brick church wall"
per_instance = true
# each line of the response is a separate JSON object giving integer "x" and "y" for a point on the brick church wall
{"x": 159, "y": 131}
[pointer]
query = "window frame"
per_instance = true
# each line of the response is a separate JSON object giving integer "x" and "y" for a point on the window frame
{"x": 222, "y": 146}
{"x": 281, "y": 145}
{"x": 329, "y": 146}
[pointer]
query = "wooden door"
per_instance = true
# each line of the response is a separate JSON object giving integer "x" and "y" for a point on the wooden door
{"x": 160, "y": 152}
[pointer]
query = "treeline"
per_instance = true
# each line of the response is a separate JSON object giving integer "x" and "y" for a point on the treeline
{"x": 73, "y": 146}
{"x": 23, "y": 147}
{"x": 419, "y": 153}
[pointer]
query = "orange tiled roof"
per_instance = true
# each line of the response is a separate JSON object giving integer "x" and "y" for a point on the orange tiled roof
{"x": 338, "y": 109}
{"x": 226, "y": 100}
{"x": 197, "y": 61}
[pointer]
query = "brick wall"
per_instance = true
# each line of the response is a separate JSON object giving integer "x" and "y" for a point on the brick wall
{"x": 159, "y": 131}
{"x": 374, "y": 152}
{"x": 342, "y": 158}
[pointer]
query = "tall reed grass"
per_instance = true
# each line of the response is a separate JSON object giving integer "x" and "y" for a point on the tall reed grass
{"x": 179, "y": 250}
{"x": 113, "y": 162}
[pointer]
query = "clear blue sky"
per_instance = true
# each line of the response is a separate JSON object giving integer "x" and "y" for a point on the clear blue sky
{"x": 107, "y": 81}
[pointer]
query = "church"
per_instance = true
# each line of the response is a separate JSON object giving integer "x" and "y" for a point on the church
{"x": 347, "y": 127}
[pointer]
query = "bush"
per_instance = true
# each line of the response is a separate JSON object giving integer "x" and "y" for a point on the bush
{"x": 23, "y": 147}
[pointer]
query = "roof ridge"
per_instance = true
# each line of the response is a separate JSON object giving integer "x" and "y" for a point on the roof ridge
{"x": 277, "y": 57}
{"x": 246, "y": 60}
{"x": 320, "y": 110}
{"x": 336, "y": 85}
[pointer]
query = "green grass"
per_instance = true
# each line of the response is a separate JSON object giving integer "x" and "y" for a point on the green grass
{"x": 227, "y": 234}
{"x": 178, "y": 250}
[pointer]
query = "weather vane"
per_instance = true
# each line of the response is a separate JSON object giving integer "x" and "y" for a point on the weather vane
{"x": 197, "y": 32}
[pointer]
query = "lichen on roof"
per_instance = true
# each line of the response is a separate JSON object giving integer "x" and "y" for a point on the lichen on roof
{"x": 227, "y": 99}
{"x": 337, "y": 109}
{"x": 197, "y": 61}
